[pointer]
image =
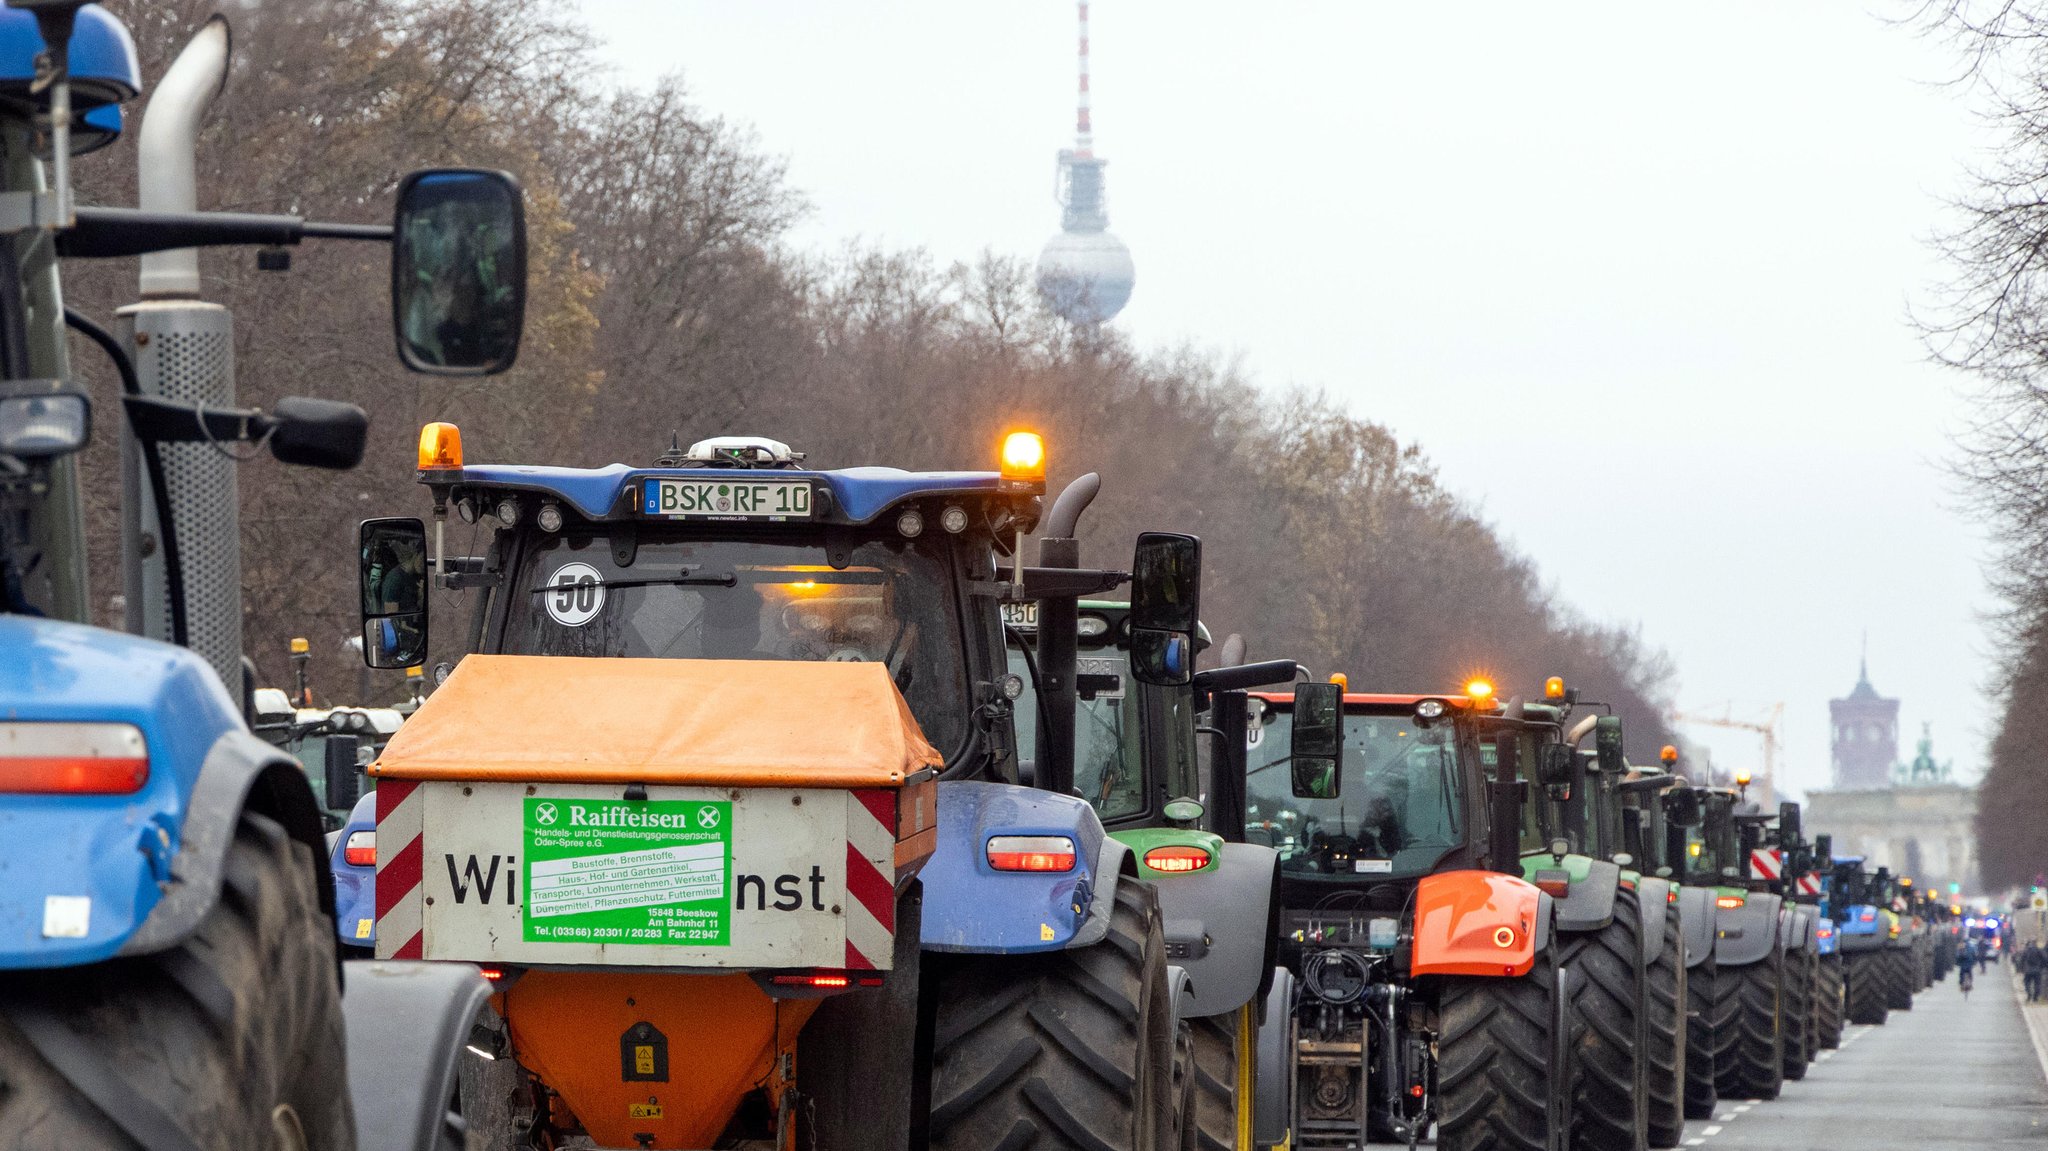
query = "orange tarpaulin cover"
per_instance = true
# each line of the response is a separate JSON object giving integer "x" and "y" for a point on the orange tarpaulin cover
{"x": 729, "y": 723}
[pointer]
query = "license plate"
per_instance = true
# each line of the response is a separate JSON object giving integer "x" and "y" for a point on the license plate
{"x": 727, "y": 499}
{"x": 1022, "y": 616}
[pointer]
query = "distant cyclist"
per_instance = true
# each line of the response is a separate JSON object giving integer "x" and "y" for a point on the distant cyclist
{"x": 1966, "y": 965}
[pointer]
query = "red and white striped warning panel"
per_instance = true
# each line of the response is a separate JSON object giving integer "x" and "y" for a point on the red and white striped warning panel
{"x": 1764, "y": 863}
{"x": 687, "y": 877}
{"x": 1809, "y": 884}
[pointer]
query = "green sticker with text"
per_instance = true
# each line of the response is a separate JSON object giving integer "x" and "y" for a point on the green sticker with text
{"x": 609, "y": 871}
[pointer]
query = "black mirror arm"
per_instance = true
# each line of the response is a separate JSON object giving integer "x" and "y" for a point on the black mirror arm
{"x": 1042, "y": 583}
{"x": 103, "y": 233}
{"x": 1245, "y": 676}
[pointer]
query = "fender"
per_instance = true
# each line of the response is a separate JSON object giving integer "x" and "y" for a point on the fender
{"x": 406, "y": 1023}
{"x": 1589, "y": 904}
{"x": 1696, "y": 917}
{"x": 1747, "y": 933}
{"x": 1475, "y": 923}
{"x": 148, "y": 862}
{"x": 1825, "y": 938}
{"x": 1860, "y": 929}
{"x": 1273, "y": 1093}
{"x": 972, "y": 908}
{"x": 1654, "y": 896}
{"x": 1222, "y": 926}
{"x": 1798, "y": 920}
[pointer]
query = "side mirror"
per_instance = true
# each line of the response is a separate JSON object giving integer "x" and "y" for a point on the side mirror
{"x": 1316, "y": 746}
{"x": 458, "y": 271}
{"x": 1607, "y": 745}
{"x": 1824, "y": 852}
{"x": 1166, "y": 594}
{"x": 393, "y": 570}
{"x": 318, "y": 433}
{"x": 1554, "y": 765}
{"x": 344, "y": 784}
{"x": 1788, "y": 823}
{"x": 1682, "y": 807}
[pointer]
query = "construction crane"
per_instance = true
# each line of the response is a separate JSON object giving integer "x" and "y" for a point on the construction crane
{"x": 1766, "y": 787}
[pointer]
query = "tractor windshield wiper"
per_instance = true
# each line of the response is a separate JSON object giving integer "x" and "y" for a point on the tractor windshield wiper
{"x": 729, "y": 579}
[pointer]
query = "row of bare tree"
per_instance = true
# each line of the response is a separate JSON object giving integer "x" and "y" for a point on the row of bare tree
{"x": 667, "y": 300}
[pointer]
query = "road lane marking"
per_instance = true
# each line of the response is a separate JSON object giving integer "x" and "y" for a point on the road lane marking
{"x": 1713, "y": 1131}
{"x": 1741, "y": 1107}
{"x": 1696, "y": 1141}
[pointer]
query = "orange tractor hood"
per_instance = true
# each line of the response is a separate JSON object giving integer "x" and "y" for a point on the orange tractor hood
{"x": 729, "y": 723}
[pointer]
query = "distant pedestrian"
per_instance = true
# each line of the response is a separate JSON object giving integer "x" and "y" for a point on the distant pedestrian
{"x": 2033, "y": 964}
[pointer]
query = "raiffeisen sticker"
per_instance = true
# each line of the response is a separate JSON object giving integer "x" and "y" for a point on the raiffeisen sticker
{"x": 628, "y": 872}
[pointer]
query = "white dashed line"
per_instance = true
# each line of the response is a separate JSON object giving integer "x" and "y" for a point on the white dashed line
{"x": 1696, "y": 1141}
{"x": 1713, "y": 1131}
{"x": 1741, "y": 1107}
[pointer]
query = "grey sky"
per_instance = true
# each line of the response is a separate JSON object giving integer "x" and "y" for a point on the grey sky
{"x": 1635, "y": 276}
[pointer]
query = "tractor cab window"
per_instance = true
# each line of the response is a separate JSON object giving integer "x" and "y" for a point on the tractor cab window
{"x": 1398, "y": 808}
{"x": 767, "y": 596}
{"x": 1109, "y": 769}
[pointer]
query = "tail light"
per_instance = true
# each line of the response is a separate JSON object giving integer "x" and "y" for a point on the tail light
{"x": 826, "y": 979}
{"x": 492, "y": 974}
{"x": 1177, "y": 857}
{"x": 1728, "y": 901}
{"x": 73, "y": 758}
{"x": 361, "y": 849}
{"x": 1031, "y": 853}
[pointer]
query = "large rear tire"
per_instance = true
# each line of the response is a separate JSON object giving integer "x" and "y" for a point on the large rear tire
{"x": 1495, "y": 1061}
{"x": 1827, "y": 1002}
{"x": 1215, "y": 1039}
{"x": 1865, "y": 997}
{"x": 1700, "y": 1096}
{"x": 230, "y": 1039}
{"x": 1607, "y": 1014}
{"x": 1062, "y": 1050}
{"x": 1666, "y": 980}
{"x": 1899, "y": 979}
{"x": 1798, "y": 1016}
{"x": 1749, "y": 1052}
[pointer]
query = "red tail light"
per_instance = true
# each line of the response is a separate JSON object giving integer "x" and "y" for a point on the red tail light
{"x": 73, "y": 758}
{"x": 1031, "y": 853}
{"x": 1728, "y": 901}
{"x": 1177, "y": 857}
{"x": 825, "y": 979}
{"x": 361, "y": 849}
{"x": 492, "y": 974}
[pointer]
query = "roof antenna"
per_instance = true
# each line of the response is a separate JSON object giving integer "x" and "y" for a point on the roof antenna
{"x": 673, "y": 457}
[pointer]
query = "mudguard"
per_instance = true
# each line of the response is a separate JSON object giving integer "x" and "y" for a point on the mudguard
{"x": 1589, "y": 904}
{"x": 1273, "y": 1093}
{"x": 1475, "y": 923}
{"x": 1655, "y": 897}
{"x": 972, "y": 908}
{"x": 147, "y": 862}
{"x": 407, "y": 1026}
{"x": 1747, "y": 933}
{"x": 1825, "y": 938}
{"x": 1796, "y": 922}
{"x": 1221, "y": 926}
{"x": 1696, "y": 912}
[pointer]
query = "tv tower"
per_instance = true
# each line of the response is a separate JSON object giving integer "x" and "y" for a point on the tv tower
{"x": 1084, "y": 273}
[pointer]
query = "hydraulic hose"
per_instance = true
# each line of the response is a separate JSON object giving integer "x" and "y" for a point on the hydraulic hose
{"x": 153, "y": 463}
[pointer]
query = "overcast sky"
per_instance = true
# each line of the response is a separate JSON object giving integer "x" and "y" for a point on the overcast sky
{"x": 1636, "y": 277}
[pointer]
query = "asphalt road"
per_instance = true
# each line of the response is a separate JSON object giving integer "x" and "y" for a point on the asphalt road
{"x": 1950, "y": 1073}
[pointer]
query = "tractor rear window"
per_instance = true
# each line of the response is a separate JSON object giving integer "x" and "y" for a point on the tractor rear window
{"x": 890, "y": 601}
{"x": 1397, "y": 810}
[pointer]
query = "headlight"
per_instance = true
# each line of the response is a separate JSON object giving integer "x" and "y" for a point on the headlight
{"x": 44, "y": 427}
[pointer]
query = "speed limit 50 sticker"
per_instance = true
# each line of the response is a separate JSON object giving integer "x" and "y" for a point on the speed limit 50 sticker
{"x": 575, "y": 594}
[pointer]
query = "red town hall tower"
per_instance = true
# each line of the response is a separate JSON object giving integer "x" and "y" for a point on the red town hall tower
{"x": 1866, "y": 736}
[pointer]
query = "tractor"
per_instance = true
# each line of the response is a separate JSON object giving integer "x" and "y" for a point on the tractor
{"x": 168, "y": 931}
{"x": 1421, "y": 982}
{"x": 722, "y": 789}
{"x": 1860, "y": 905}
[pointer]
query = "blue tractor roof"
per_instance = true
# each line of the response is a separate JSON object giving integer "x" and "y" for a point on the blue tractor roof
{"x": 103, "y": 66}
{"x": 612, "y": 493}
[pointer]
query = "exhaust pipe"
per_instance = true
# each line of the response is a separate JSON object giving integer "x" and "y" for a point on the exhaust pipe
{"x": 168, "y": 145}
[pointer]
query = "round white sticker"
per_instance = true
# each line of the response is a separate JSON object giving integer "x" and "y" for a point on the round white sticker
{"x": 575, "y": 594}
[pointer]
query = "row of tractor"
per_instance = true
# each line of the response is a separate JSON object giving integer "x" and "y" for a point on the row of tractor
{"x": 758, "y": 804}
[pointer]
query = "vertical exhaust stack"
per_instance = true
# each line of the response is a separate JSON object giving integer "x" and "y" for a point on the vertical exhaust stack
{"x": 183, "y": 349}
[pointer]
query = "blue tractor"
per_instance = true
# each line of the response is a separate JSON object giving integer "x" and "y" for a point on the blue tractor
{"x": 904, "y": 936}
{"x": 166, "y": 931}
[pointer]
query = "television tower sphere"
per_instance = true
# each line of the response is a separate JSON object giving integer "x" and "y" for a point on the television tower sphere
{"x": 1086, "y": 277}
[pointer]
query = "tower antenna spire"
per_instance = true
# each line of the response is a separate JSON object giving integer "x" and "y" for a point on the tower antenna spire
{"x": 1084, "y": 131}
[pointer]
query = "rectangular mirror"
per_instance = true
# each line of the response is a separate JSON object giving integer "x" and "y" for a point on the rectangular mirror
{"x": 1554, "y": 765}
{"x": 1788, "y": 823}
{"x": 343, "y": 782}
{"x": 392, "y": 558}
{"x": 458, "y": 271}
{"x": 1823, "y": 852}
{"x": 1315, "y": 743}
{"x": 1166, "y": 592}
{"x": 1607, "y": 745}
{"x": 1682, "y": 807}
